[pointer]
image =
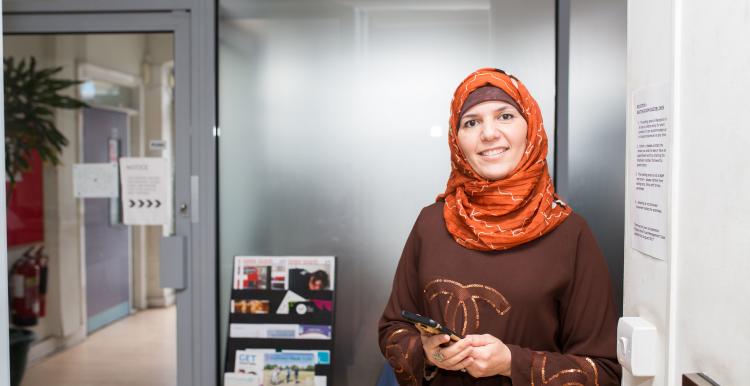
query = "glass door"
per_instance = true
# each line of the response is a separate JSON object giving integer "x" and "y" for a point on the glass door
{"x": 194, "y": 358}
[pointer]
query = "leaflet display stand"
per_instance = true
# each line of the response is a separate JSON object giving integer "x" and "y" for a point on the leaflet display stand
{"x": 281, "y": 318}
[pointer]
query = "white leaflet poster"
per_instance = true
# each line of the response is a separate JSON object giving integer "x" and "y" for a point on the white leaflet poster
{"x": 649, "y": 169}
{"x": 280, "y": 331}
{"x": 95, "y": 180}
{"x": 144, "y": 190}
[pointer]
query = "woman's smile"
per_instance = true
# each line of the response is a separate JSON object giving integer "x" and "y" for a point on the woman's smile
{"x": 494, "y": 153}
{"x": 492, "y": 137}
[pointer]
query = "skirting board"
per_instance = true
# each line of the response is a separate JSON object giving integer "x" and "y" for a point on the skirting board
{"x": 43, "y": 349}
{"x": 161, "y": 301}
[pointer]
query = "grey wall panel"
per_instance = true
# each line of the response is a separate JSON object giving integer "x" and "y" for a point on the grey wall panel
{"x": 523, "y": 43}
{"x": 596, "y": 126}
{"x": 333, "y": 133}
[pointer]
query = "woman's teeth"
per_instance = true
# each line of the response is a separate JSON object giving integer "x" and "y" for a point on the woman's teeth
{"x": 492, "y": 152}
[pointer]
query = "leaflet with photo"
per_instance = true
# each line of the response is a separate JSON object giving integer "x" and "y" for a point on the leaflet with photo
{"x": 289, "y": 368}
{"x": 249, "y": 306}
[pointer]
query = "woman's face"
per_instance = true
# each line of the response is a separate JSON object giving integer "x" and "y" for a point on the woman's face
{"x": 492, "y": 136}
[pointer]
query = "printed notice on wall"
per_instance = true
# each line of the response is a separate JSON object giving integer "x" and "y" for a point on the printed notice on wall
{"x": 95, "y": 180}
{"x": 144, "y": 190}
{"x": 652, "y": 123}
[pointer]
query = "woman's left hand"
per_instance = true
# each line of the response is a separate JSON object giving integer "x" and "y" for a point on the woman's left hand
{"x": 491, "y": 357}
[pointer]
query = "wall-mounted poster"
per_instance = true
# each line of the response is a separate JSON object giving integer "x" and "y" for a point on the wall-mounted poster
{"x": 649, "y": 169}
{"x": 144, "y": 190}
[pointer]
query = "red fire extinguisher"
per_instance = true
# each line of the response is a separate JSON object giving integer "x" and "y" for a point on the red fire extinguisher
{"x": 25, "y": 277}
{"x": 42, "y": 259}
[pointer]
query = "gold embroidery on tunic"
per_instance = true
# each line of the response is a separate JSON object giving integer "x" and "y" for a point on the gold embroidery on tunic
{"x": 399, "y": 357}
{"x": 466, "y": 298}
{"x": 570, "y": 377}
{"x": 596, "y": 370}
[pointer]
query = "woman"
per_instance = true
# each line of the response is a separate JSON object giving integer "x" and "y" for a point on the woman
{"x": 500, "y": 260}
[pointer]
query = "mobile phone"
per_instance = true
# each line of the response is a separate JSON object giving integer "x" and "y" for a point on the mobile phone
{"x": 429, "y": 326}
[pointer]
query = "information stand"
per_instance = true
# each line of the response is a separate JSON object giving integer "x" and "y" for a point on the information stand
{"x": 281, "y": 319}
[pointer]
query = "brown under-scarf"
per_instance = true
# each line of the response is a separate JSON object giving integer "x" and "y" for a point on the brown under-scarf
{"x": 494, "y": 215}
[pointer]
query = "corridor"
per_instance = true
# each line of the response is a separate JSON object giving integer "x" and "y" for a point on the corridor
{"x": 138, "y": 350}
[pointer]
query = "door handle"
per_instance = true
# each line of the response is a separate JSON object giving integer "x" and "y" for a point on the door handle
{"x": 172, "y": 259}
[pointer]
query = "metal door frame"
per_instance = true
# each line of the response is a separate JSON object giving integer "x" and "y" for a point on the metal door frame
{"x": 195, "y": 151}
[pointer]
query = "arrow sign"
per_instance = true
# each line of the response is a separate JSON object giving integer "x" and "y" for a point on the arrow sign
{"x": 145, "y": 190}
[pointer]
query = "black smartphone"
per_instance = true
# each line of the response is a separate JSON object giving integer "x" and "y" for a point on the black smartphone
{"x": 429, "y": 326}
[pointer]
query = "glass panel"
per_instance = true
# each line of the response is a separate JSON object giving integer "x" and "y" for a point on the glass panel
{"x": 333, "y": 132}
{"x": 101, "y": 275}
{"x": 107, "y": 94}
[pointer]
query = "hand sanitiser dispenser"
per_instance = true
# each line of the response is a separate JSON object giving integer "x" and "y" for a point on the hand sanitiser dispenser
{"x": 636, "y": 346}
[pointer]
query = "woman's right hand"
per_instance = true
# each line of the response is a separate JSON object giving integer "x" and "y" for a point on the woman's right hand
{"x": 454, "y": 357}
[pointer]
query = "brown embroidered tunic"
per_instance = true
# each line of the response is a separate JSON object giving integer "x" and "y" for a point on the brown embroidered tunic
{"x": 549, "y": 300}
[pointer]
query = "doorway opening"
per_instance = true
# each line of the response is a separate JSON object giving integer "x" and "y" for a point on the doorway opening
{"x": 102, "y": 276}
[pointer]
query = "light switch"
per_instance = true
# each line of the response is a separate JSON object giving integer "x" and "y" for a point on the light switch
{"x": 636, "y": 346}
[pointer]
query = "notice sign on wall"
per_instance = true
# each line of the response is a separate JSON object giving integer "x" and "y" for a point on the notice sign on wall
{"x": 649, "y": 180}
{"x": 95, "y": 180}
{"x": 144, "y": 190}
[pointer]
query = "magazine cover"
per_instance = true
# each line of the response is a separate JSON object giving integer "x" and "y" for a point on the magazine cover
{"x": 310, "y": 273}
{"x": 252, "y": 273}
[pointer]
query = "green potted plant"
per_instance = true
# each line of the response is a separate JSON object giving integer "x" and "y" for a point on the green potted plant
{"x": 31, "y": 97}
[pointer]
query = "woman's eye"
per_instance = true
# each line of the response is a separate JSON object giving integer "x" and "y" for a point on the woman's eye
{"x": 506, "y": 116}
{"x": 470, "y": 123}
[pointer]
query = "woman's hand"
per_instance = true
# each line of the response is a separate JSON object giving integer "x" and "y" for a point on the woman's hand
{"x": 490, "y": 356}
{"x": 454, "y": 357}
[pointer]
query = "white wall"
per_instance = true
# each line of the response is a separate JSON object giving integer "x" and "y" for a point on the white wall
{"x": 713, "y": 312}
{"x": 696, "y": 299}
{"x": 650, "y": 61}
{"x": 159, "y": 50}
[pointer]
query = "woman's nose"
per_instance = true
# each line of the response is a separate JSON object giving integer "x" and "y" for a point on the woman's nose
{"x": 490, "y": 132}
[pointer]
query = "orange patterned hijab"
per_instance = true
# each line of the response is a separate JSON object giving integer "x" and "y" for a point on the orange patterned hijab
{"x": 493, "y": 215}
